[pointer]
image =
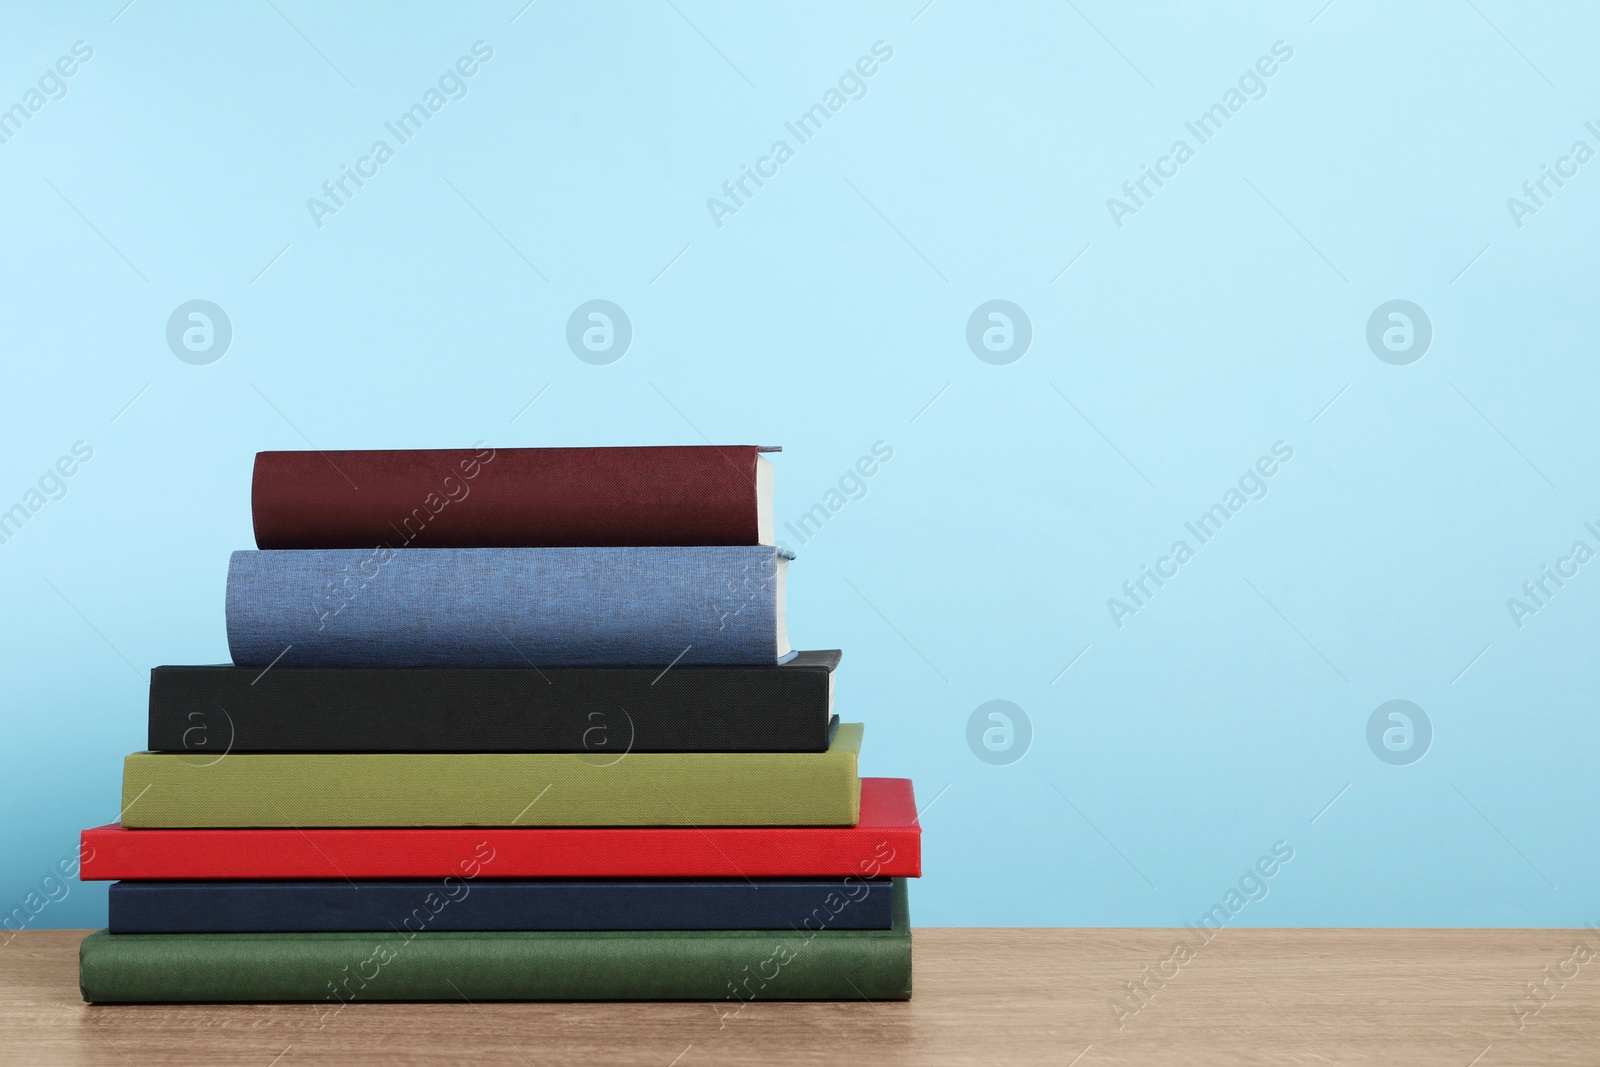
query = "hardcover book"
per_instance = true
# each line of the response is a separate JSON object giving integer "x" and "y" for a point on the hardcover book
{"x": 463, "y": 903}
{"x": 600, "y": 710}
{"x": 496, "y": 788}
{"x": 886, "y": 841}
{"x": 729, "y": 967}
{"x": 508, "y": 607}
{"x": 513, "y": 497}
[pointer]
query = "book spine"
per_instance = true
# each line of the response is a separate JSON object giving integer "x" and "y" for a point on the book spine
{"x": 504, "y": 607}
{"x": 112, "y": 853}
{"x": 461, "y": 903}
{"x": 603, "y": 710}
{"x": 495, "y": 789}
{"x": 506, "y": 498}
{"x": 731, "y": 968}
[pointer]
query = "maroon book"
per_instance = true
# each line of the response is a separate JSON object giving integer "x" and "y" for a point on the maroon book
{"x": 514, "y": 497}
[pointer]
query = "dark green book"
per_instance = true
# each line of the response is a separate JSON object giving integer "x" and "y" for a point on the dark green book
{"x": 732, "y": 966}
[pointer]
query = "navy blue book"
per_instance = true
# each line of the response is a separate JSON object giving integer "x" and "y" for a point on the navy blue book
{"x": 488, "y": 904}
{"x": 508, "y": 607}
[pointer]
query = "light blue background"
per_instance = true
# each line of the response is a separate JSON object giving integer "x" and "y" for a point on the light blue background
{"x": 825, "y": 316}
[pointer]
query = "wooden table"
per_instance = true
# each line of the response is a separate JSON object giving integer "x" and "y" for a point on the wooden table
{"x": 982, "y": 997}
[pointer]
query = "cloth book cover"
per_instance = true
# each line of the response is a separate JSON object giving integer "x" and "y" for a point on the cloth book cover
{"x": 212, "y": 710}
{"x": 817, "y": 961}
{"x": 513, "y": 497}
{"x": 886, "y": 841}
{"x": 508, "y": 607}
{"x": 496, "y": 788}
{"x": 462, "y": 903}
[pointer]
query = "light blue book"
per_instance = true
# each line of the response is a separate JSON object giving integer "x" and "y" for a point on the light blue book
{"x": 508, "y": 607}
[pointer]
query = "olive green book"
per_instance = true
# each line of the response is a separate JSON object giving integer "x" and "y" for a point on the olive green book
{"x": 729, "y": 967}
{"x": 496, "y": 788}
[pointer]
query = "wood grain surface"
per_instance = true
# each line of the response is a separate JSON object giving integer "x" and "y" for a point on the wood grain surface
{"x": 1452, "y": 997}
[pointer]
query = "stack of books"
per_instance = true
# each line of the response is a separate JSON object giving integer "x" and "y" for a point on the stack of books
{"x": 505, "y": 725}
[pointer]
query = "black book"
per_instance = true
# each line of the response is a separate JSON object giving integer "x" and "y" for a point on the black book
{"x": 603, "y": 712}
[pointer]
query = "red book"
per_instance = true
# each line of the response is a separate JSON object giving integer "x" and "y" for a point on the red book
{"x": 514, "y": 497}
{"x": 886, "y": 842}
